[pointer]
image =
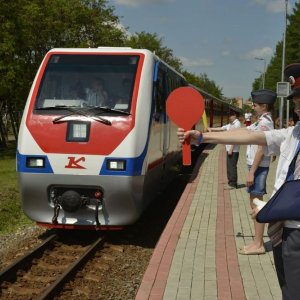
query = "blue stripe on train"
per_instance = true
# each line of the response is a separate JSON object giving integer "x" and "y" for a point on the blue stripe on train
{"x": 133, "y": 165}
{"x": 22, "y": 167}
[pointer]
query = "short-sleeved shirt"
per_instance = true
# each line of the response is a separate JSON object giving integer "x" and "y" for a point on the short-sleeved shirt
{"x": 248, "y": 116}
{"x": 283, "y": 143}
{"x": 264, "y": 123}
{"x": 235, "y": 124}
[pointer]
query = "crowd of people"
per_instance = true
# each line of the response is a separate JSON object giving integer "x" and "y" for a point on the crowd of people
{"x": 264, "y": 141}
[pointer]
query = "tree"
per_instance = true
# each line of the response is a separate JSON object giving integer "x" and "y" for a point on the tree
{"x": 203, "y": 82}
{"x": 152, "y": 42}
{"x": 247, "y": 108}
{"x": 292, "y": 54}
{"x": 30, "y": 28}
{"x": 293, "y": 36}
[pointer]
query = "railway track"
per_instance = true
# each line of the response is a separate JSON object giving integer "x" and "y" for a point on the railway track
{"x": 44, "y": 271}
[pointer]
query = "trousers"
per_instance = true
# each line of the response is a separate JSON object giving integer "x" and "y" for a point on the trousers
{"x": 287, "y": 263}
{"x": 232, "y": 161}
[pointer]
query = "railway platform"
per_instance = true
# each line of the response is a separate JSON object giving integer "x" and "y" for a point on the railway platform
{"x": 197, "y": 256}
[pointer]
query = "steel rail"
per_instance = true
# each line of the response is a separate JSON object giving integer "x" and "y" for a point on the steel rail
{"x": 55, "y": 288}
{"x": 10, "y": 272}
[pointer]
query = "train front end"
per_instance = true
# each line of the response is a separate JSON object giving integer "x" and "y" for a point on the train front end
{"x": 82, "y": 149}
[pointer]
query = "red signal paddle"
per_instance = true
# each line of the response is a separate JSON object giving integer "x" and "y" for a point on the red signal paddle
{"x": 185, "y": 107}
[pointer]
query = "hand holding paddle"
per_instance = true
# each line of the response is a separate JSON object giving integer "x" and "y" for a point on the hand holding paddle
{"x": 185, "y": 106}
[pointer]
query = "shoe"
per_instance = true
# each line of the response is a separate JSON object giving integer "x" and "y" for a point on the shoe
{"x": 258, "y": 251}
{"x": 229, "y": 187}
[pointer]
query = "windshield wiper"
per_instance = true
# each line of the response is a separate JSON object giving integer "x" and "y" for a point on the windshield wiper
{"x": 56, "y": 107}
{"x": 111, "y": 110}
{"x": 79, "y": 112}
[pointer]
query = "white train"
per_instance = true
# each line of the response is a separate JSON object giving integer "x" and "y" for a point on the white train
{"x": 95, "y": 144}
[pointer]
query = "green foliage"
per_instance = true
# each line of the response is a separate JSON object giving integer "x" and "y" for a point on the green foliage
{"x": 292, "y": 55}
{"x": 247, "y": 108}
{"x": 204, "y": 83}
{"x": 293, "y": 36}
{"x": 30, "y": 28}
{"x": 152, "y": 42}
{"x": 11, "y": 214}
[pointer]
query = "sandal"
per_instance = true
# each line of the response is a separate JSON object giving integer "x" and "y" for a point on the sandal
{"x": 258, "y": 251}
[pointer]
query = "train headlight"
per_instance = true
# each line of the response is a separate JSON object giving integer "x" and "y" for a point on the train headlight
{"x": 116, "y": 164}
{"x": 78, "y": 131}
{"x": 35, "y": 162}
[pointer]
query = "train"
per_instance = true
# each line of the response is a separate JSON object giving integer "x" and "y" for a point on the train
{"x": 95, "y": 144}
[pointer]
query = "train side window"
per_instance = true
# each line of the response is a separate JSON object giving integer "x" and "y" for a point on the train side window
{"x": 159, "y": 96}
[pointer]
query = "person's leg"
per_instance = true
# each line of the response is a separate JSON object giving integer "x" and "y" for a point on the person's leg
{"x": 258, "y": 240}
{"x": 291, "y": 262}
{"x": 257, "y": 190}
{"x": 232, "y": 168}
{"x": 235, "y": 159}
{"x": 277, "y": 254}
{"x": 228, "y": 168}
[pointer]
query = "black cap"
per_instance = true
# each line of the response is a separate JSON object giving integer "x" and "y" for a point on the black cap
{"x": 263, "y": 96}
{"x": 292, "y": 74}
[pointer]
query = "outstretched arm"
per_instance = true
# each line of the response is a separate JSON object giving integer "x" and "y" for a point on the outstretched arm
{"x": 237, "y": 136}
{"x": 215, "y": 129}
{"x": 259, "y": 155}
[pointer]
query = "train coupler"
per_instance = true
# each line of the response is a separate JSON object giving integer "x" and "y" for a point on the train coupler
{"x": 99, "y": 206}
{"x": 56, "y": 213}
{"x": 56, "y": 206}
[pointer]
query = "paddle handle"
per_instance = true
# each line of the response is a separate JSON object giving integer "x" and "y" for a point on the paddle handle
{"x": 186, "y": 152}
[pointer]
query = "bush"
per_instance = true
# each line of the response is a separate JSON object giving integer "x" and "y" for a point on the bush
{"x": 11, "y": 214}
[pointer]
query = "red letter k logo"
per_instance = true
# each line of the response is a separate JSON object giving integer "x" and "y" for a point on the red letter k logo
{"x": 73, "y": 163}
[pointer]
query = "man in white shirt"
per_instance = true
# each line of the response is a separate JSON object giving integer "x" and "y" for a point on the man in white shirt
{"x": 96, "y": 94}
{"x": 232, "y": 151}
{"x": 284, "y": 143}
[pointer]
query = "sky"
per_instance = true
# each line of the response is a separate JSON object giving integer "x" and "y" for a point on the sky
{"x": 221, "y": 38}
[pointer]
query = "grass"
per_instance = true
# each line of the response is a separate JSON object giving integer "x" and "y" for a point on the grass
{"x": 11, "y": 214}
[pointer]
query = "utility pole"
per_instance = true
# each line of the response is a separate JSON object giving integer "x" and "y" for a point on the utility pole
{"x": 282, "y": 69}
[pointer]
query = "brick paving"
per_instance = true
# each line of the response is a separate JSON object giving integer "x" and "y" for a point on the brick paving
{"x": 196, "y": 257}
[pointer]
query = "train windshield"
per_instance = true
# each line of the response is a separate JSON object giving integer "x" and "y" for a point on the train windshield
{"x": 81, "y": 80}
